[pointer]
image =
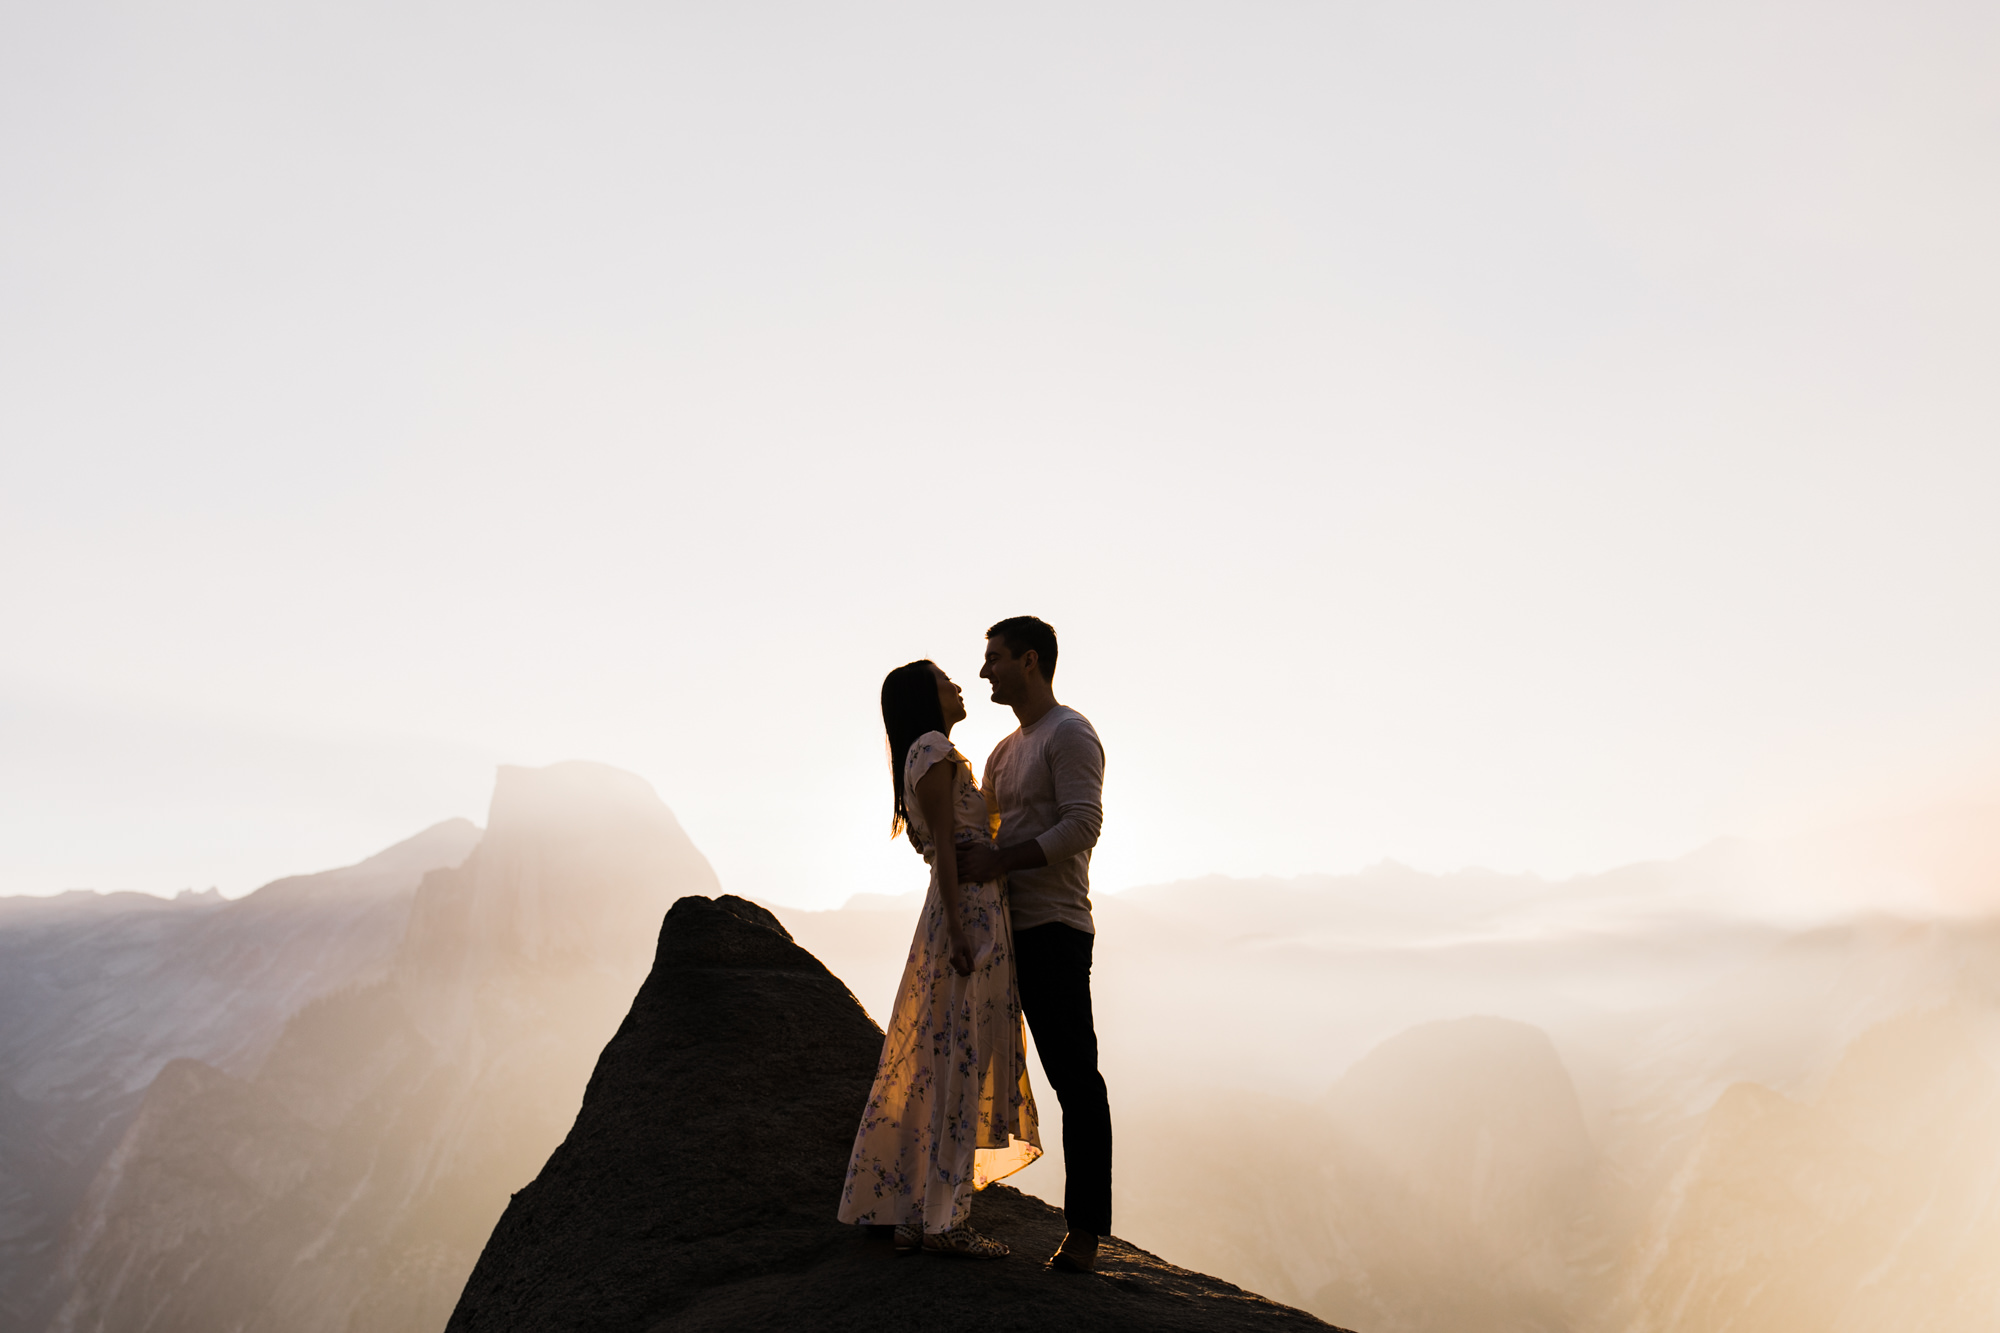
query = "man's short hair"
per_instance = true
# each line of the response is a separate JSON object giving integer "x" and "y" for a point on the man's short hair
{"x": 1020, "y": 633}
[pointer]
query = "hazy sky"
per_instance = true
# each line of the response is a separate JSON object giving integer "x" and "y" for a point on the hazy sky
{"x": 1541, "y": 436}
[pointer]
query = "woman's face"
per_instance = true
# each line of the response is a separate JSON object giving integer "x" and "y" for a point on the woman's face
{"x": 950, "y": 698}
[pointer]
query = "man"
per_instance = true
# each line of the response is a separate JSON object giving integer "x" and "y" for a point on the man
{"x": 1047, "y": 779}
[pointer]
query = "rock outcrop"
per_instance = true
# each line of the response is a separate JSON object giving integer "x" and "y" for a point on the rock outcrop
{"x": 698, "y": 1185}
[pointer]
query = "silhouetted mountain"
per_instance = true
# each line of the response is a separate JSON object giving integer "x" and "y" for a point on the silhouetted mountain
{"x": 349, "y": 1180}
{"x": 99, "y": 991}
{"x": 1460, "y": 1172}
{"x": 1442, "y": 1183}
{"x": 698, "y": 1186}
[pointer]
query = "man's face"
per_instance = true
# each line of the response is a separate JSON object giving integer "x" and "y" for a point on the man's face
{"x": 1007, "y": 673}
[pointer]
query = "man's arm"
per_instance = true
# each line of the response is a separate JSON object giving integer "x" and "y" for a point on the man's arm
{"x": 1021, "y": 856}
{"x": 1076, "y": 770}
{"x": 980, "y": 864}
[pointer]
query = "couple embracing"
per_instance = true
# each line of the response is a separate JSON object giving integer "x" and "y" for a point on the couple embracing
{"x": 1005, "y": 932}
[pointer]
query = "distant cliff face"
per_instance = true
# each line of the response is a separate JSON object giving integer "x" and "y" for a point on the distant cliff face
{"x": 1459, "y": 1169}
{"x": 1875, "y": 1206}
{"x": 99, "y": 991}
{"x": 573, "y": 855}
{"x": 347, "y": 1182}
{"x": 1443, "y": 1183}
{"x": 698, "y": 1186}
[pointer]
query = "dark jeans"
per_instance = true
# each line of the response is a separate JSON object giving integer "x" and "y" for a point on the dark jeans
{"x": 1052, "y": 967}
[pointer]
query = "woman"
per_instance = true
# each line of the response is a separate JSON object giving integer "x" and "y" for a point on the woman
{"x": 951, "y": 1111}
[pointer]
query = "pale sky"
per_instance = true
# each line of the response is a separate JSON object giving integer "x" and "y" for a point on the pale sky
{"x": 1537, "y": 436}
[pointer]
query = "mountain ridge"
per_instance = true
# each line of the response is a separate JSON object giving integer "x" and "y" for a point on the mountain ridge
{"x": 348, "y": 1176}
{"x": 98, "y": 992}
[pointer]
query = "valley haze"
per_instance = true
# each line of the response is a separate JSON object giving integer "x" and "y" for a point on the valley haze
{"x": 1401, "y": 1101}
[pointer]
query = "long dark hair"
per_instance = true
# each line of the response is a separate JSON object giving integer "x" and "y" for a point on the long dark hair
{"x": 910, "y": 708}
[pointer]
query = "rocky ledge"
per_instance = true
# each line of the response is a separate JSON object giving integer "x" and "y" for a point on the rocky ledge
{"x": 697, "y": 1188}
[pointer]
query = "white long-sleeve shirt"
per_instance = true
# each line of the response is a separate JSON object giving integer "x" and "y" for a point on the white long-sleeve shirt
{"x": 1047, "y": 782}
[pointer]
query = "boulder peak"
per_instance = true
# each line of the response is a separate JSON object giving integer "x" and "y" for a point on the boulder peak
{"x": 698, "y": 1186}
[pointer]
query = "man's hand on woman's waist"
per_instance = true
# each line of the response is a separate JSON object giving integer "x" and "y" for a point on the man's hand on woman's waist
{"x": 979, "y": 863}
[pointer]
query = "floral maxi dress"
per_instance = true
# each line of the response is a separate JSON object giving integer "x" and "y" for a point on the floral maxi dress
{"x": 951, "y": 1111}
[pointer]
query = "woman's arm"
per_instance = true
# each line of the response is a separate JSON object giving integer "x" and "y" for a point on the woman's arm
{"x": 934, "y": 798}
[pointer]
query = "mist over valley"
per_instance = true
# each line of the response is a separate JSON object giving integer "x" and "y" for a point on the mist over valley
{"x": 1684, "y": 1095}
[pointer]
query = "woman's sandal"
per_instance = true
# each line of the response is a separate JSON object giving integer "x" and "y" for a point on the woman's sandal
{"x": 909, "y": 1237}
{"x": 965, "y": 1243}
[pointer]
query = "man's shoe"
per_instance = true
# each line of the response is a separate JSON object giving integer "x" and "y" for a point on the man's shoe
{"x": 1077, "y": 1255}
